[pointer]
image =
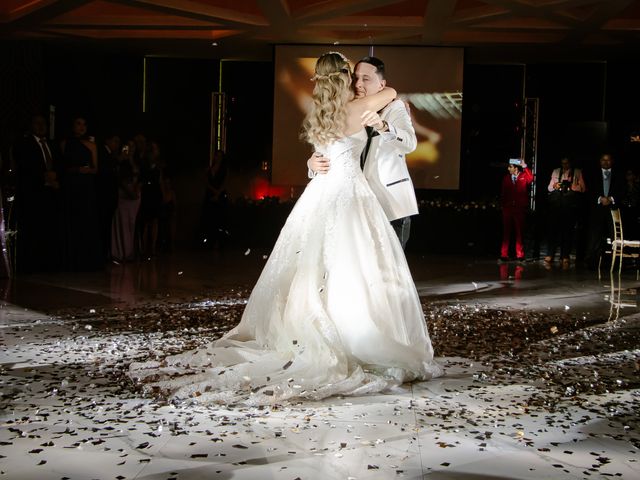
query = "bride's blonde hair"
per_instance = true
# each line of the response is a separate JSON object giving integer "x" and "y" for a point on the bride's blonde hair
{"x": 327, "y": 118}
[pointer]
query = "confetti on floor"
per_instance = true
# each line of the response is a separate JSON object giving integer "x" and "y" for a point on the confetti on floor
{"x": 527, "y": 394}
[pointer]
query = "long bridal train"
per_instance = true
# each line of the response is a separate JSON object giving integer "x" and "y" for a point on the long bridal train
{"x": 334, "y": 312}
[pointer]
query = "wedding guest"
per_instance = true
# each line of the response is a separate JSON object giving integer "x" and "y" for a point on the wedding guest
{"x": 80, "y": 157}
{"x": 141, "y": 144}
{"x": 151, "y": 199}
{"x": 123, "y": 244}
{"x": 630, "y": 205}
{"x": 565, "y": 188}
{"x": 167, "y": 219}
{"x": 607, "y": 187}
{"x": 38, "y": 201}
{"x": 515, "y": 202}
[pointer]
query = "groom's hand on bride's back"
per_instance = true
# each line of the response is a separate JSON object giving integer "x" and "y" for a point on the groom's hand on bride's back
{"x": 318, "y": 164}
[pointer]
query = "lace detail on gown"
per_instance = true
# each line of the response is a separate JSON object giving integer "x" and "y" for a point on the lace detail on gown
{"x": 334, "y": 312}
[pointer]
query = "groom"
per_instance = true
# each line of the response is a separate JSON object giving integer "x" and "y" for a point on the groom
{"x": 390, "y": 137}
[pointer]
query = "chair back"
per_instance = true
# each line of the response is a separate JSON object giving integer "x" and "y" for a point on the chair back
{"x": 617, "y": 225}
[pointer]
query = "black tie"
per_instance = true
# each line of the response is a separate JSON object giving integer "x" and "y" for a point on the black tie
{"x": 371, "y": 132}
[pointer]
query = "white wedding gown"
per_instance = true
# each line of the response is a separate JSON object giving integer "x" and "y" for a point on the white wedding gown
{"x": 334, "y": 312}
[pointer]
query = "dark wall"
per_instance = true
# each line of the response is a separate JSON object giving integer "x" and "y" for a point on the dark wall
{"x": 571, "y": 115}
{"x": 584, "y": 109}
{"x": 178, "y": 112}
{"x": 103, "y": 86}
{"x": 22, "y": 88}
{"x": 249, "y": 88}
{"x": 491, "y": 126}
{"x": 622, "y": 111}
{"x": 107, "y": 88}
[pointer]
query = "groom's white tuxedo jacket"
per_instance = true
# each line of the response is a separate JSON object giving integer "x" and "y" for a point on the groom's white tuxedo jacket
{"x": 386, "y": 167}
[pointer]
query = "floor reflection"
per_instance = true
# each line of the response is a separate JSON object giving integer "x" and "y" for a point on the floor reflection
{"x": 538, "y": 383}
{"x": 509, "y": 271}
{"x": 621, "y": 296}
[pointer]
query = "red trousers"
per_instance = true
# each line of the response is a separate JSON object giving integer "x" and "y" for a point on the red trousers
{"x": 512, "y": 220}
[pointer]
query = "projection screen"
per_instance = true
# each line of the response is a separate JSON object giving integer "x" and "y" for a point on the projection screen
{"x": 429, "y": 79}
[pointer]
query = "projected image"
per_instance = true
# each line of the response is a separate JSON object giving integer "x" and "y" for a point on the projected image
{"x": 429, "y": 80}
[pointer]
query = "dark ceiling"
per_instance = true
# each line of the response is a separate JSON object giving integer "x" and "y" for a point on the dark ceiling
{"x": 248, "y": 28}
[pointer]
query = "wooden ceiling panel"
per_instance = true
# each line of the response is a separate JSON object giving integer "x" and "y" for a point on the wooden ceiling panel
{"x": 346, "y": 36}
{"x": 601, "y": 39}
{"x": 207, "y": 35}
{"x": 250, "y": 7}
{"x": 10, "y": 9}
{"x": 298, "y": 7}
{"x": 542, "y": 3}
{"x": 25, "y": 11}
{"x": 632, "y": 12}
{"x": 428, "y": 22}
{"x": 407, "y": 8}
{"x": 371, "y": 21}
{"x": 466, "y": 4}
{"x": 463, "y": 37}
{"x": 581, "y": 12}
{"x": 525, "y": 23}
{"x": 102, "y": 12}
{"x": 479, "y": 13}
{"x": 627, "y": 24}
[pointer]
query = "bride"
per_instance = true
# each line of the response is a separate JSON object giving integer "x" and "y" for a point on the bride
{"x": 335, "y": 310}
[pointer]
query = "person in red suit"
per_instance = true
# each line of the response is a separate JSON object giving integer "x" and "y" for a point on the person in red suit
{"x": 514, "y": 201}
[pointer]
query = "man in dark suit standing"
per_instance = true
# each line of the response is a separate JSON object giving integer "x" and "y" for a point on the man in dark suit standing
{"x": 606, "y": 187}
{"x": 38, "y": 207}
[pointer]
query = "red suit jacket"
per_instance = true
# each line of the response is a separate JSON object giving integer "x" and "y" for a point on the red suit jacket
{"x": 516, "y": 195}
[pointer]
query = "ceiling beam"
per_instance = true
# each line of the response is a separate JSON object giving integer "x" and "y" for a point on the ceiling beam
{"x": 48, "y": 10}
{"x": 24, "y": 9}
{"x": 600, "y": 16}
{"x": 281, "y": 24}
{"x": 470, "y": 16}
{"x": 277, "y": 12}
{"x": 547, "y": 11}
{"x": 337, "y": 9}
{"x": 196, "y": 11}
{"x": 131, "y": 26}
{"x": 356, "y": 22}
{"x": 436, "y": 20}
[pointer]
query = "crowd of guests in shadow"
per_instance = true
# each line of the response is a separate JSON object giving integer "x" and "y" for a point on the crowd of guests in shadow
{"x": 79, "y": 203}
{"x": 577, "y": 210}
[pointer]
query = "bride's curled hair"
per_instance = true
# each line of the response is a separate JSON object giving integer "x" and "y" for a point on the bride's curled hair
{"x": 327, "y": 118}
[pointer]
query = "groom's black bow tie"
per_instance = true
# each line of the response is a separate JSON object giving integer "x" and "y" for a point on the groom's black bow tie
{"x": 371, "y": 132}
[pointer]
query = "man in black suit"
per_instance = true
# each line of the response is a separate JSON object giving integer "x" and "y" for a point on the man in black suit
{"x": 38, "y": 202}
{"x": 605, "y": 188}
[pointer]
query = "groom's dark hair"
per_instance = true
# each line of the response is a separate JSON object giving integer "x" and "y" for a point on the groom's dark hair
{"x": 376, "y": 62}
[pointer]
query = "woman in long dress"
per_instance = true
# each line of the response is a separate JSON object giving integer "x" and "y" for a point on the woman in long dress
{"x": 80, "y": 155}
{"x": 335, "y": 310}
{"x": 123, "y": 225}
